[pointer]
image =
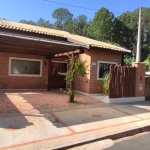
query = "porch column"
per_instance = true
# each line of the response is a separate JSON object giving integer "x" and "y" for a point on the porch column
{"x": 49, "y": 73}
{"x": 140, "y": 79}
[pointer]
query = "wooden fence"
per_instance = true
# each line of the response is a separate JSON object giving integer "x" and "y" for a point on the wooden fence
{"x": 122, "y": 81}
{"x": 147, "y": 88}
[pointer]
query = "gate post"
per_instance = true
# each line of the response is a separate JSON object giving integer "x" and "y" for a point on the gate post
{"x": 139, "y": 80}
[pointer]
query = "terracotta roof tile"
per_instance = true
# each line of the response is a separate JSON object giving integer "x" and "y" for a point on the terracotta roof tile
{"x": 31, "y": 28}
{"x": 59, "y": 33}
{"x": 95, "y": 43}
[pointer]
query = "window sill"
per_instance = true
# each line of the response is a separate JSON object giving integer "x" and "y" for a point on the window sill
{"x": 99, "y": 78}
{"x": 27, "y": 75}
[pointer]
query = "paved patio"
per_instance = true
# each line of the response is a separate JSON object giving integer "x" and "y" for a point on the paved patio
{"x": 46, "y": 120}
{"x": 23, "y": 100}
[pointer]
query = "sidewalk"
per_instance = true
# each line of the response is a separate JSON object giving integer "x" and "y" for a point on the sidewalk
{"x": 67, "y": 127}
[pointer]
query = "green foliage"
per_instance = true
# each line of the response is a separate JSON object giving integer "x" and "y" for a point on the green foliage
{"x": 77, "y": 67}
{"x": 68, "y": 26}
{"x": 76, "y": 25}
{"x": 62, "y": 14}
{"x": 28, "y": 22}
{"x": 125, "y": 31}
{"x": 100, "y": 27}
{"x": 57, "y": 25}
{"x": 128, "y": 60}
{"x": 120, "y": 30}
{"x": 105, "y": 83}
{"x": 43, "y": 23}
{"x": 147, "y": 62}
{"x": 80, "y": 25}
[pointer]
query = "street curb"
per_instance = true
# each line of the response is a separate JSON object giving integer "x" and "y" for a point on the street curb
{"x": 112, "y": 137}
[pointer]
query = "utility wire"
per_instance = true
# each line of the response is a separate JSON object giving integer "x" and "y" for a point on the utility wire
{"x": 50, "y": 1}
{"x": 69, "y": 5}
{"x": 74, "y": 6}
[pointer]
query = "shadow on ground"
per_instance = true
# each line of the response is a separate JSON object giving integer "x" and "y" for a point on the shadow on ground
{"x": 21, "y": 101}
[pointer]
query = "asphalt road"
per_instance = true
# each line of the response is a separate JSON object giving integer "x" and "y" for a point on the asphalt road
{"x": 136, "y": 142}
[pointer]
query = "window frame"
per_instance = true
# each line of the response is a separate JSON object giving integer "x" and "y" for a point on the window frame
{"x": 104, "y": 62}
{"x": 25, "y": 75}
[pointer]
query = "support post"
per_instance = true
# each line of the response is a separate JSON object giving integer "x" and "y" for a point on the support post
{"x": 138, "y": 53}
{"x": 72, "y": 83}
{"x": 49, "y": 73}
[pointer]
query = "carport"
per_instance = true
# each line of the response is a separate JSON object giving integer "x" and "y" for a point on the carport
{"x": 36, "y": 44}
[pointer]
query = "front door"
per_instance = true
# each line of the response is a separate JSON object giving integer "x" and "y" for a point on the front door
{"x": 58, "y": 81}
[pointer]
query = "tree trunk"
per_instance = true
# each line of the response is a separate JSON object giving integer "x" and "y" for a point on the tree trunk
{"x": 71, "y": 99}
{"x": 72, "y": 89}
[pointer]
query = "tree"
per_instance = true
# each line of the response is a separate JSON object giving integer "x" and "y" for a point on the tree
{"x": 28, "y": 22}
{"x": 68, "y": 25}
{"x": 126, "y": 30}
{"x": 43, "y": 23}
{"x": 145, "y": 33}
{"x": 128, "y": 60}
{"x": 76, "y": 66}
{"x": 81, "y": 25}
{"x": 101, "y": 26}
{"x": 57, "y": 25}
{"x": 62, "y": 14}
{"x": 147, "y": 63}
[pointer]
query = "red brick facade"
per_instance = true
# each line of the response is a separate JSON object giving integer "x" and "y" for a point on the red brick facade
{"x": 140, "y": 79}
{"x": 90, "y": 83}
{"x": 21, "y": 82}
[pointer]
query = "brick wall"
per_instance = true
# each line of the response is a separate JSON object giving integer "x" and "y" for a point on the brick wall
{"x": 87, "y": 84}
{"x": 82, "y": 83}
{"x": 21, "y": 82}
{"x": 94, "y": 85}
{"x": 101, "y": 55}
{"x": 140, "y": 79}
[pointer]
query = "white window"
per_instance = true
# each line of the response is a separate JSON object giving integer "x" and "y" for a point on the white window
{"x": 103, "y": 67}
{"x": 25, "y": 67}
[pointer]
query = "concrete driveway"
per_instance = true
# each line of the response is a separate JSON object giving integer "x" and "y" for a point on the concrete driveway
{"x": 41, "y": 118}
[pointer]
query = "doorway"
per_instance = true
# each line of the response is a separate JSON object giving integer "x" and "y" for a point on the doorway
{"x": 58, "y": 81}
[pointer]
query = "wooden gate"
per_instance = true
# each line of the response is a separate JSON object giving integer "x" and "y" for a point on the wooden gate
{"x": 122, "y": 81}
{"x": 147, "y": 88}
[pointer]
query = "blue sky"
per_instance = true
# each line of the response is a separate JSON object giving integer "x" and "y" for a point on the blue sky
{"x": 16, "y": 10}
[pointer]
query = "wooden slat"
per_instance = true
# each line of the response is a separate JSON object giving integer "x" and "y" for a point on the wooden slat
{"x": 134, "y": 76}
{"x": 110, "y": 93}
{"x": 122, "y": 81}
{"x": 115, "y": 81}
{"x": 119, "y": 82}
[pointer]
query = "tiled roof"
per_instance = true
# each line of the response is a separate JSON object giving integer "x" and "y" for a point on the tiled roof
{"x": 59, "y": 33}
{"x": 31, "y": 28}
{"x": 95, "y": 43}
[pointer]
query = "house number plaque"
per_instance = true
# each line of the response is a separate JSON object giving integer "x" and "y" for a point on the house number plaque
{"x": 140, "y": 87}
{"x": 94, "y": 63}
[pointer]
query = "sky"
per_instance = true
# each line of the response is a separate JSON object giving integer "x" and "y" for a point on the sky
{"x": 16, "y": 10}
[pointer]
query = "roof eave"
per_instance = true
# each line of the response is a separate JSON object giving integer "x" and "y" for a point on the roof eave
{"x": 118, "y": 50}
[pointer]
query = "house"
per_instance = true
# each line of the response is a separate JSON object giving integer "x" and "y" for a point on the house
{"x": 29, "y": 57}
